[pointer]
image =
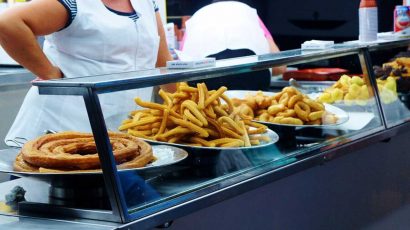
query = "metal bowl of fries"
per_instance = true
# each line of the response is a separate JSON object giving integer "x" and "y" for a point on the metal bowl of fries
{"x": 196, "y": 118}
{"x": 265, "y": 139}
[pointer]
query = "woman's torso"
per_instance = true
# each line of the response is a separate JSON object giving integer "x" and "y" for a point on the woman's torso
{"x": 96, "y": 42}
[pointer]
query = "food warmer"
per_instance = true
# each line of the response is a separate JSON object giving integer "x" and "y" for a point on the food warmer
{"x": 156, "y": 197}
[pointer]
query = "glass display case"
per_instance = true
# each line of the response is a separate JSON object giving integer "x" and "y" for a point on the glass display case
{"x": 390, "y": 66}
{"x": 154, "y": 195}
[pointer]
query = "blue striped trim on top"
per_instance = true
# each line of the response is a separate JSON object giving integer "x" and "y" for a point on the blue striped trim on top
{"x": 156, "y": 8}
{"x": 71, "y": 7}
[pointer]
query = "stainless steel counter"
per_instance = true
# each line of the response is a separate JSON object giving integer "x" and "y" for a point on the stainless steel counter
{"x": 14, "y": 84}
{"x": 12, "y": 222}
{"x": 14, "y": 75}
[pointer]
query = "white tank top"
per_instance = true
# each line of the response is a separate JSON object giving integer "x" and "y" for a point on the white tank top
{"x": 224, "y": 25}
{"x": 97, "y": 42}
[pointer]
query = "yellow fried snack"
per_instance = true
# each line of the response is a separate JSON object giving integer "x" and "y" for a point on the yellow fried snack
{"x": 354, "y": 91}
{"x": 274, "y": 109}
{"x": 289, "y": 106}
{"x": 196, "y": 117}
{"x": 302, "y": 110}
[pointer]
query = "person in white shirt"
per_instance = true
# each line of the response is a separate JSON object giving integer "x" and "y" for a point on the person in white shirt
{"x": 82, "y": 38}
{"x": 226, "y": 29}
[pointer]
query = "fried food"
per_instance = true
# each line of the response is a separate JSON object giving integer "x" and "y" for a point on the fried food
{"x": 76, "y": 152}
{"x": 286, "y": 107}
{"x": 354, "y": 91}
{"x": 196, "y": 117}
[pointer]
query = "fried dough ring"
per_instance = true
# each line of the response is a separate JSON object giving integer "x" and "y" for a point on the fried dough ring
{"x": 287, "y": 113}
{"x": 295, "y": 98}
{"x": 291, "y": 121}
{"x": 274, "y": 109}
{"x": 246, "y": 112}
{"x": 316, "y": 106}
{"x": 138, "y": 161}
{"x": 316, "y": 115}
{"x": 74, "y": 151}
{"x": 284, "y": 99}
{"x": 302, "y": 110}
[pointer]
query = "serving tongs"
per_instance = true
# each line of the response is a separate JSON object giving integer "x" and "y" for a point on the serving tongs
{"x": 18, "y": 142}
{"x": 302, "y": 89}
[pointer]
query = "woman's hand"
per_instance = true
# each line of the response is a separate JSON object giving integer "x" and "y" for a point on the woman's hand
{"x": 55, "y": 73}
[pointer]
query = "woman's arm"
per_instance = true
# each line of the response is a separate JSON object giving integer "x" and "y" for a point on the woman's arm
{"x": 274, "y": 49}
{"x": 163, "y": 52}
{"x": 19, "y": 27}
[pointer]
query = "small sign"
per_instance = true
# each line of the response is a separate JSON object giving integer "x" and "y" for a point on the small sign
{"x": 205, "y": 62}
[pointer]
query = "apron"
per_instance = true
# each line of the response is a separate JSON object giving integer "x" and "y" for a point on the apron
{"x": 224, "y": 25}
{"x": 97, "y": 42}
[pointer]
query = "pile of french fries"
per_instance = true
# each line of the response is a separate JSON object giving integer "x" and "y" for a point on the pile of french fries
{"x": 194, "y": 116}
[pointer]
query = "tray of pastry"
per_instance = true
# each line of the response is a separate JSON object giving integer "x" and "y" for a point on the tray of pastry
{"x": 74, "y": 153}
{"x": 287, "y": 108}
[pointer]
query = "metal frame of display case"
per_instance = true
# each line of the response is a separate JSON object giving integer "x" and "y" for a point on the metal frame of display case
{"x": 90, "y": 87}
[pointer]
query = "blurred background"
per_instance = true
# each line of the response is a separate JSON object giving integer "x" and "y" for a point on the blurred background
{"x": 292, "y": 22}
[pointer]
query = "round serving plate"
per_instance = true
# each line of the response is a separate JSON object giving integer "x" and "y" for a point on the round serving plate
{"x": 241, "y": 94}
{"x": 114, "y": 122}
{"x": 342, "y": 115}
{"x": 164, "y": 154}
{"x": 273, "y": 138}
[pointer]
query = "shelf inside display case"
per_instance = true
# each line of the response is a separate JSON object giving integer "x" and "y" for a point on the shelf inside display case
{"x": 208, "y": 176}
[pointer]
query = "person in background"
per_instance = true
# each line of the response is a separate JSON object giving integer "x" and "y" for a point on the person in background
{"x": 82, "y": 38}
{"x": 227, "y": 29}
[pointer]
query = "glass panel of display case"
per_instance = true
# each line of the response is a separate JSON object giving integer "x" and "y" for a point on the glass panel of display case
{"x": 326, "y": 111}
{"x": 51, "y": 142}
{"x": 391, "y": 69}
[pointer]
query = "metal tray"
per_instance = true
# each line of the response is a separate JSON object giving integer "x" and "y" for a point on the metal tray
{"x": 340, "y": 113}
{"x": 342, "y": 116}
{"x": 163, "y": 158}
{"x": 274, "y": 137}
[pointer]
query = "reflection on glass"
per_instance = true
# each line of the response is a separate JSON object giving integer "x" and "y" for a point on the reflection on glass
{"x": 393, "y": 80}
{"x": 349, "y": 112}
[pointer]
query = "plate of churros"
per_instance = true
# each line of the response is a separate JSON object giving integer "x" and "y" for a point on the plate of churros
{"x": 195, "y": 117}
{"x": 286, "y": 108}
{"x": 75, "y": 153}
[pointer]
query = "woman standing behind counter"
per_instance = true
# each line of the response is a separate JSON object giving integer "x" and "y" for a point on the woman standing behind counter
{"x": 228, "y": 29}
{"x": 82, "y": 38}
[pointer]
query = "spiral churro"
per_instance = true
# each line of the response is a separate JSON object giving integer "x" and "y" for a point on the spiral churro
{"x": 74, "y": 151}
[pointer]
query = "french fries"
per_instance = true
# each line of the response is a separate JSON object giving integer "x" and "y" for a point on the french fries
{"x": 196, "y": 117}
